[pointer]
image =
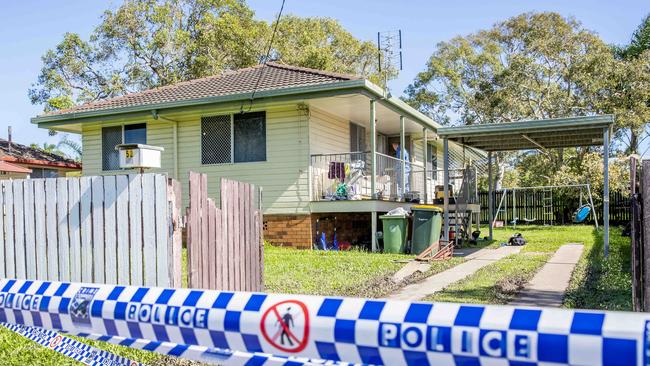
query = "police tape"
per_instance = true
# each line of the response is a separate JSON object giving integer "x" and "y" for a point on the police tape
{"x": 331, "y": 328}
{"x": 69, "y": 347}
{"x": 211, "y": 355}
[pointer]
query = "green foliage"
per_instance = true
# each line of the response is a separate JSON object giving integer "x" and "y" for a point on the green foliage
{"x": 150, "y": 43}
{"x": 322, "y": 43}
{"x": 535, "y": 65}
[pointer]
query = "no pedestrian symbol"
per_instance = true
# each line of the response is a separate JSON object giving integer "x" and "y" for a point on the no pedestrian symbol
{"x": 285, "y": 326}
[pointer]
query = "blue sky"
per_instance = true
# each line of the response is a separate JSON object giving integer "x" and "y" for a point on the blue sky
{"x": 29, "y": 27}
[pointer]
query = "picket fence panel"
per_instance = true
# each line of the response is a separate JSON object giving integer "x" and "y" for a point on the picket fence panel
{"x": 102, "y": 229}
{"x": 225, "y": 244}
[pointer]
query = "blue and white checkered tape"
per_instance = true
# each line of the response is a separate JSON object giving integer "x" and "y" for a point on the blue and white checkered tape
{"x": 334, "y": 329}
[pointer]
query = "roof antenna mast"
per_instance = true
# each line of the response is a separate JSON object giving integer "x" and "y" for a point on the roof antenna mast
{"x": 389, "y": 54}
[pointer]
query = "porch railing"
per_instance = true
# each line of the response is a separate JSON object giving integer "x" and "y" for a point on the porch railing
{"x": 347, "y": 176}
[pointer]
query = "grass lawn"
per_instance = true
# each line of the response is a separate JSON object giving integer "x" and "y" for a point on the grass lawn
{"x": 596, "y": 283}
{"x": 600, "y": 283}
{"x": 496, "y": 283}
{"x": 352, "y": 273}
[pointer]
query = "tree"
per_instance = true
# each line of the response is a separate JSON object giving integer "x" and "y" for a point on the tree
{"x": 48, "y": 148}
{"x": 631, "y": 100}
{"x": 531, "y": 66}
{"x": 322, "y": 43}
{"x": 149, "y": 43}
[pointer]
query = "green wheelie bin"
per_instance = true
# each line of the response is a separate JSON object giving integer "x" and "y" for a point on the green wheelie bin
{"x": 427, "y": 222}
{"x": 395, "y": 230}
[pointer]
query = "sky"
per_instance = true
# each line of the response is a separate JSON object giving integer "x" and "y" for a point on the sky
{"x": 28, "y": 28}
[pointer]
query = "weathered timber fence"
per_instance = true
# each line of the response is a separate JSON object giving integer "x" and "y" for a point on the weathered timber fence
{"x": 103, "y": 229}
{"x": 530, "y": 205}
{"x": 225, "y": 246}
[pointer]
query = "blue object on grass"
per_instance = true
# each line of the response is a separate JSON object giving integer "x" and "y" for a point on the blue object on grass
{"x": 323, "y": 241}
{"x": 335, "y": 243}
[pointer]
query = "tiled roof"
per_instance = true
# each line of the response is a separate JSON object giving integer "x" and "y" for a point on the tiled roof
{"x": 21, "y": 154}
{"x": 271, "y": 76}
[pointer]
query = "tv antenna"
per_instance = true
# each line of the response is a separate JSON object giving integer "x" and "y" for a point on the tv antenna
{"x": 389, "y": 53}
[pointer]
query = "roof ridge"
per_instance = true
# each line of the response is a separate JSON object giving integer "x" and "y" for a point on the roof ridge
{"x": 313, "y": 71}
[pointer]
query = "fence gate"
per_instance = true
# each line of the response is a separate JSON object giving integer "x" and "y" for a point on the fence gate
{"x": 225, "y": 245}
{"x": 101, "y": 229}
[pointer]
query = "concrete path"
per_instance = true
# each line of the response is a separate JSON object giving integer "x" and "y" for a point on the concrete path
{"x": 477, "y": 260}
{"x": 548, "y": 286}
{"x": 417, "y": 266}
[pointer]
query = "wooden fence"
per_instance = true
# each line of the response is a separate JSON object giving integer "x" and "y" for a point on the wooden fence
{"x": 225, "y": 246}
{"x": 529, "y": 205}
{"x": 102, "y": 229}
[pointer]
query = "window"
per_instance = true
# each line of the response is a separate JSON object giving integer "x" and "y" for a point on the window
{"x": 357, "y": 138}
{"x": 44, "y": 173}
{"x": 250, "y": 137}
{"x": 113, "y": 136}
{"x": 432, "y": 156}
{"x": 228, "y": 139}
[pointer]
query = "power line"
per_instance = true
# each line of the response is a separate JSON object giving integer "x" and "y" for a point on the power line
{"x": 266, "y": 59}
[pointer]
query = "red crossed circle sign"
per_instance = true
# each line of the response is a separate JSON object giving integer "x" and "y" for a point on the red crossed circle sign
{"x": 55, "y": 341}
{"x": 285, "y": 326}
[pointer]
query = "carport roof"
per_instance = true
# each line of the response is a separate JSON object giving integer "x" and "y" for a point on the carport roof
{"x": 535, "y": 134}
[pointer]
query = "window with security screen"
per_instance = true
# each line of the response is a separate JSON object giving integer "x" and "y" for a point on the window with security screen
{"x": 229, "y": 139}
{"x": 216, "y": 139}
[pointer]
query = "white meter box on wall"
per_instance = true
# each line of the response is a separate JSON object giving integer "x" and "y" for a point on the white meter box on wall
{"x": 139, "y": 156}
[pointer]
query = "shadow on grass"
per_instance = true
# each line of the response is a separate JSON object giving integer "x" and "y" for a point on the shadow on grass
{"x": 600, "y": 283}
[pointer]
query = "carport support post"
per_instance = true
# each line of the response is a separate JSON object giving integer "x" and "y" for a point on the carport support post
{"x": 445, "y": 182}
{"x": 606, "y": 191}
{"x": 490, "y": 195}
{"x": 402, "y": 146}
{"x": 373, "y": 153}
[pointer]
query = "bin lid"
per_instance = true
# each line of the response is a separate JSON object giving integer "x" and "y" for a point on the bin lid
{"x": 388, "y": 217}
{"x": 426, "y": 208}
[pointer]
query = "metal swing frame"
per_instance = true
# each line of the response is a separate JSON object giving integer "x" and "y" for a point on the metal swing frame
{"x": 503, "y": 202}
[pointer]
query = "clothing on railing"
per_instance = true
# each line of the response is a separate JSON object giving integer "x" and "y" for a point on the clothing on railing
{"x": 336, "y": 170}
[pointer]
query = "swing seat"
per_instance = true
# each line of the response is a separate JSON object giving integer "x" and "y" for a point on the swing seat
{"x": 581, "y": 214}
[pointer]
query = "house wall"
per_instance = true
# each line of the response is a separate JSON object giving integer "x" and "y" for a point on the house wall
{"x": 328, "y": 133}
{"x": 283, "y": 176}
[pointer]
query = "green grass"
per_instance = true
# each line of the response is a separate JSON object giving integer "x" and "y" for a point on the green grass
{"x": 546, "y": 239}
{"x": 599, "y": 283}
{"x": 496, "y": 283}
{"x": 292, "y": 271}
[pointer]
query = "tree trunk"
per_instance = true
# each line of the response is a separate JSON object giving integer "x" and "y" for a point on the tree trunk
{"x": 500, "y": 162}
{"x": 634, "y": 142}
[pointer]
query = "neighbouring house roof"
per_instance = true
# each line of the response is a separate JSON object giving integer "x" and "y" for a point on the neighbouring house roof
{"x": 20, "y": 154}
{"x": 12, "y": 168}
{"x": 267, "y": 80}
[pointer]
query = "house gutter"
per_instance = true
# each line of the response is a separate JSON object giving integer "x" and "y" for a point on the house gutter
{"x": 301, "y": 90}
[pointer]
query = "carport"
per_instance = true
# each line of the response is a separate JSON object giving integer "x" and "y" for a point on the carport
{"x": 530, "y": 135}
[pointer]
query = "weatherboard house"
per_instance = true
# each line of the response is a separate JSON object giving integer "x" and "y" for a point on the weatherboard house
{"x": 305, "y": 136}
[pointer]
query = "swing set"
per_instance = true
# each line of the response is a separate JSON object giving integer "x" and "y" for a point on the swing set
{"x": 582, "y": 212}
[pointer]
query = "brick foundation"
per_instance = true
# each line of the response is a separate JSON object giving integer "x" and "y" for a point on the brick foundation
{"x": 299, "y": 231}
{"x": 288, "y": 230}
